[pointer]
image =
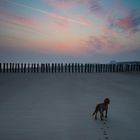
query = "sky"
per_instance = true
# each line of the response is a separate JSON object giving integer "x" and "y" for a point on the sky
{"x": 84, "y": 31}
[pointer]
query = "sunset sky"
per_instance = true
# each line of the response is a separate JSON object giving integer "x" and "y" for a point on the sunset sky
{"x": 69, "y": 30}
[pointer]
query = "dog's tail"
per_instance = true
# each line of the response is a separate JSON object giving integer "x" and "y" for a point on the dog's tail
{"x": 96, "y": 109}
{"x": 93, "y": 113}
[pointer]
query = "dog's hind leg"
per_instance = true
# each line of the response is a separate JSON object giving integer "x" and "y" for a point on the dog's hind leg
{"x": 95, "y": 112}
{"x": 101, "y": 114}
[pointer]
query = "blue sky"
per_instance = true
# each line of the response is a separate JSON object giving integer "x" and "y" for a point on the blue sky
{"x": 69, "y": 30}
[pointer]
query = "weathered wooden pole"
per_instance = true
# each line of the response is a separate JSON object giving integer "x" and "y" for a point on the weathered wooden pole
{"x": 49, "y": 68}
{"x": 7, "y": 67}
{"x": 108, "y": 68}
{"x": 24, "y": 67}
{"x": 134, "y": 67}
{"x": 81, "y": 67}
{"x": 12, "y": 67}
{"x": 93, "y": 68}
{"x": 37, "y": 68}
{"x": 72, "y": 67}
{"x": 4, "y": 70}
{"x": 46, "y": 67}
{"x": 75, "y": 67}
{"x": 68, "y": 66}
{"x": 55, "y": 67}
{"x": 99, "y": 67}
{"x": 62, "y": 69}
{"x": 65, "y": 67}
{"x": 15, "y": 67}
{"x": 58, "y": 67}
{"x": 0, "y": 67}
{"x": 18, "y": 67}
{"x": 28, "y": 67}
{"x": 52, "y": 68}
{"x": 42, "y": 68}
{"x": 139, "y": 67}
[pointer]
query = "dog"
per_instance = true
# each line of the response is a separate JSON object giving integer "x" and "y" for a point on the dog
{"x": 101, "y": 108}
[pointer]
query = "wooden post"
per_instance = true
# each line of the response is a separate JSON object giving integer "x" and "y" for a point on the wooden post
{"x": 72, "y": 67}
{"x": 21, "y": 67}
{"x": 24, "y": 67}
{"x": 65, "y": 67}
{"x": 78, "y": 68}
{"x": 37, "y": 68}
{"x": 49, "y": 69}
{"x": 116, "y": 67}
{"x": 75, "y": 67}
{"x": 138, "y": 67}
{"x": 68, "y": 66}
{"x": 41, "y": 67}
{"x": 134, "y": 67}
{"x": 109, "y": 68}
{"x": 99, "y": 67}
{"x": 58, "y": 67}
{"x": 61, "y": 67}
{"x": 34, "y": 67}
{"x": 46, "y": 68}
{"x": 7, "y": 67}
{"x": 55, "y": 67}
{"x": 126, "y": 67}
{"x": 85, "y": 68}
{"x": 28, "y": 67}
{"x": 52, "y": 68}
{"x": 10, "y": 70}
{"x": 81, "y": 67}
{"x": 0, "y": 68}
{"x": 18, "y": 67}
{"x": 15, "y": 67}
{"x": 4, "y": 67}
{"x": 112, "y": 67}
{"x": 12, "y": 66}
{"x": 129, "y": 67}
{"x": 93, "y": 68}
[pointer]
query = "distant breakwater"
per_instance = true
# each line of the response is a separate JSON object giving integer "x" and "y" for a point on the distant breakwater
{"x": 66, "y": 68}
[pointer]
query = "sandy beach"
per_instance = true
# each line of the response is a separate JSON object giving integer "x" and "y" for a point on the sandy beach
{"x": 58, "y": 106}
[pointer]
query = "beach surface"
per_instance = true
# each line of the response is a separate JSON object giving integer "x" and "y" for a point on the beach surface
{"x": 59, "y": 106}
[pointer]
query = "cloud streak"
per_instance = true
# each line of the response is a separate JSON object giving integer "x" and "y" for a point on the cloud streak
{"x": 54, "y": 15}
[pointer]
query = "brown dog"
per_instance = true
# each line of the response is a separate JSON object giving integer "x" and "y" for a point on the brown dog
{"x": 101, "y": 108}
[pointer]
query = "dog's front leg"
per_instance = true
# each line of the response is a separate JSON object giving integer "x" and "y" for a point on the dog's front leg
{"x": 106, "y": 111}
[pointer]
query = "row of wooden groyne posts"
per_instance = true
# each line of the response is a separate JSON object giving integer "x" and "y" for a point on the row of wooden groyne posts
{"x": 66, "y": 68}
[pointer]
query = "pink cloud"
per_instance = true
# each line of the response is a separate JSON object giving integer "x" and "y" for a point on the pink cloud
{"x": 125, "y": 23}
{"x": 129, "y": 23}
{"x": 103, "y": 44}
{"x": 20, "y": 20}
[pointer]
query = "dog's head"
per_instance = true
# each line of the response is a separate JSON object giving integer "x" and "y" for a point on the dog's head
{"x": 107, "y": 101}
